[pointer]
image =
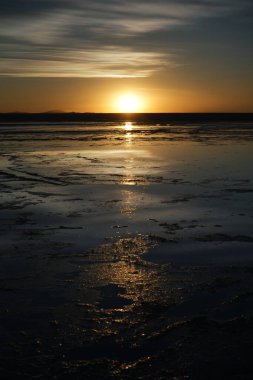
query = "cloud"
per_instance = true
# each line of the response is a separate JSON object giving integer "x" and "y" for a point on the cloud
{"x": 91, "y": 64}
{"x": 95, "y": 38}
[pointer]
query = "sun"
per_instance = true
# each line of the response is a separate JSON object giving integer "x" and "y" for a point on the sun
{"x": 128, "y": 103}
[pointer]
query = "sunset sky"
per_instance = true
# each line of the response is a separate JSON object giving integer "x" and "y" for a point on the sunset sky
{"x": 84, "y": 56}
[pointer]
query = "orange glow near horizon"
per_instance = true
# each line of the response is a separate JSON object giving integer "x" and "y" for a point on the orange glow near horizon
{"x": 122, "y": 96}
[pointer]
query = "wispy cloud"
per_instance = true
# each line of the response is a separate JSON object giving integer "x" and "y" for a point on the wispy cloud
{"x": 94, "y": 38}
{"x": 93, "y": 63}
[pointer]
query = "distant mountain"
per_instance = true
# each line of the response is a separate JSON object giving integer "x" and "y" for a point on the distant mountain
{"x": 54, "y": 111}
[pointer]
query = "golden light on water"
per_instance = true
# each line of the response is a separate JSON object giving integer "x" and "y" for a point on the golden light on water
{"x": 128, "y": 126}
{"x": 128, "y": 103}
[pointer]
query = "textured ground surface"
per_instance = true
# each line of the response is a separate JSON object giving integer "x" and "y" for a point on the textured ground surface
{"x": 126, "y": 252}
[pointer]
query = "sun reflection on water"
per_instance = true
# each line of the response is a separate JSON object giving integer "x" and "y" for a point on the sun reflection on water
{"x": 129, "y": 139}
{"x": 128, "y": 206}
{"x": 128, "y": 126}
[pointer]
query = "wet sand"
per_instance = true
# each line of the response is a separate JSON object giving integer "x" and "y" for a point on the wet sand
{"x": 126, "y": 251}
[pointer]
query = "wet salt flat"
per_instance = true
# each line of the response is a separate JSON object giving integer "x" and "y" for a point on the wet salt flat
{"x": 126, "y": 251}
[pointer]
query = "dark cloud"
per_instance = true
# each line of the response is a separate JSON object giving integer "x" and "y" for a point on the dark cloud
{"x": 26, "y": 8}
{"x": 101, "y": 38}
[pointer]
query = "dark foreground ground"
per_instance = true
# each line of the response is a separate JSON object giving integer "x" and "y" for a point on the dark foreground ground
{"x": 126, "y": 252}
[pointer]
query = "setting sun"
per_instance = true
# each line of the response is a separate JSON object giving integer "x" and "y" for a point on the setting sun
{"x": 128, "y": 103}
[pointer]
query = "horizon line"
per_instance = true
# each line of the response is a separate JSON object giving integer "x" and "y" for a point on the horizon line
{"x": 125, "y": 113}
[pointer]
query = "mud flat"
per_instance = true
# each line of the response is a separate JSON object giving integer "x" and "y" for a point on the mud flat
{"x": 126, "y": 251}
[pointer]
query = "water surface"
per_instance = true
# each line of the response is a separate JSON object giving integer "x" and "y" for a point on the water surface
{"x": 126, "y": 249}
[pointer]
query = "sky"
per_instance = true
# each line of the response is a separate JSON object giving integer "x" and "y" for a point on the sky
{"x": 83, "y": 56}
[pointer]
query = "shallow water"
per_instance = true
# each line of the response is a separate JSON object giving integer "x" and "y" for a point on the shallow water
{"x": 120, "y": 243}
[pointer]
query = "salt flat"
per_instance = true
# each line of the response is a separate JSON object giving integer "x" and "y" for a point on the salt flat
{"x": 126, "y": 247}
